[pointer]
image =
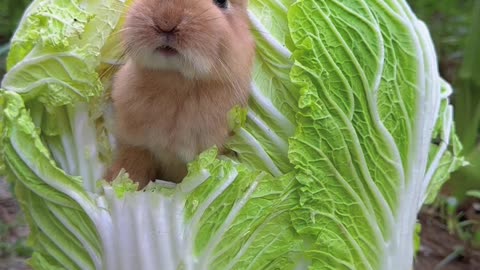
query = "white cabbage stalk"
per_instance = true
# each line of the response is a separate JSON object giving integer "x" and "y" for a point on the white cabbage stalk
{"x": 334, "y": 160}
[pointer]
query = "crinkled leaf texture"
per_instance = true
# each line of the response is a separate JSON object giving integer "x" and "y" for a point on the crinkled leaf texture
{"x": 335, "y": 152}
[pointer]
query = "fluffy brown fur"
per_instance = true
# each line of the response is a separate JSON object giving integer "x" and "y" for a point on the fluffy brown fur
{"x": 170, "y": 107}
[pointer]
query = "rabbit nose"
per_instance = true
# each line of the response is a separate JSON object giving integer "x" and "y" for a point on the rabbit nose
{"x": 165, "y": 29}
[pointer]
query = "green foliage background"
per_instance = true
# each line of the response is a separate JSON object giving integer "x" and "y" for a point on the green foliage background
{"x": 10, "y": 12}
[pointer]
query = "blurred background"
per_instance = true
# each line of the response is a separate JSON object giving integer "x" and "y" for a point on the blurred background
{"x": 450, "y": 231}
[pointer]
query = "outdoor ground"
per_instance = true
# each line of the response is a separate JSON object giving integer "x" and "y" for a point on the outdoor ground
{"x": 441, "y": 250}
{"x": 13, "y": 232}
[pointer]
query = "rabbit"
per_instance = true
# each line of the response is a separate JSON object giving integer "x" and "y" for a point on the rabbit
{"x": 189, "y": 62}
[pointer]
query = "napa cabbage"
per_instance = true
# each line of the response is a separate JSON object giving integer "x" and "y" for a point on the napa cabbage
{"x": 348, "y": 132}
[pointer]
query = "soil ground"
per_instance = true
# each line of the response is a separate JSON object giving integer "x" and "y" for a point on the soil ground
{"x": 13, "y": 232}
{"x": 441, "y": 250}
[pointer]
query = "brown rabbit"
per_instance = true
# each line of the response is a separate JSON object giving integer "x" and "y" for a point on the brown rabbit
{"x": 189, "y": 62}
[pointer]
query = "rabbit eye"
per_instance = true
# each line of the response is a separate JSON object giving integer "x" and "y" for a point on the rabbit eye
{"x": 221, "y": 3}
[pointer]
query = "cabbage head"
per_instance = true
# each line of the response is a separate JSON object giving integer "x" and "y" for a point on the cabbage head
{"x": 348, "y": 133}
